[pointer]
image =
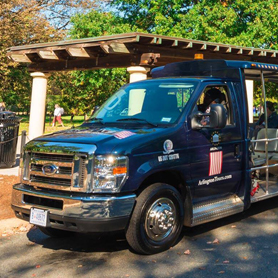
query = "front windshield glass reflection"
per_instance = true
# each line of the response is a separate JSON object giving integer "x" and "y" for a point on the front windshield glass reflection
{"x": 153, "y": 102}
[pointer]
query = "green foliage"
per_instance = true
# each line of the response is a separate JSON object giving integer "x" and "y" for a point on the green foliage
{"x": 154, "y": 16}
{"x": 28, "y": 22}
{"x": 250, "y": 23}
{"x": 17, "y": 91}
{"x": 241, "y": 22}
{"x": 95, "y": 24}
{"x": 271, "y": 90}
{"x": 81, "y": 91}
{"x": 18, "y": 20}
{"x": 78, "y": 92}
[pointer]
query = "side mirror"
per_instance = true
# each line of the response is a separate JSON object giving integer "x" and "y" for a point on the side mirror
{"x": 217, "y": 117}
{"x": 196, "y": 120}
{"x": 95, "y": 109}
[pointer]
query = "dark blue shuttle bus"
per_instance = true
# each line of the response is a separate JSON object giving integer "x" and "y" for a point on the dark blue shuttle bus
{"x": 180, "y": 149}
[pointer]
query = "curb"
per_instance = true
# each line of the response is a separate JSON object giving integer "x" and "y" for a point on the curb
{"x": 14, "y": 171}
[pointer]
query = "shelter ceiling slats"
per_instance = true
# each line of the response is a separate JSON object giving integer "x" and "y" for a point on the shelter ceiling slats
{"x": 85, "y": 64}
{"x": 255, "y": 74}
{"x": 189, "y": 45}
{"x": 128, "y": 50}
{"x": 169, "y": 43}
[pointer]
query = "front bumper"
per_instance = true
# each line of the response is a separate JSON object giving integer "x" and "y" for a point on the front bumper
{"x": 75, "y": 211}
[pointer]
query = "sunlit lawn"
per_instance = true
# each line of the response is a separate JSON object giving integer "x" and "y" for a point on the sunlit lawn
{"x": 77, "y": 120}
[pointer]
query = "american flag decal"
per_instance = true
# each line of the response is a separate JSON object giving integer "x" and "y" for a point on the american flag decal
{"x": 123, "y": 134}
{"x": 215, "y": 163}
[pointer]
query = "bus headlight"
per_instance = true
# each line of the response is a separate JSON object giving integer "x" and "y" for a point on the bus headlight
{"x": 110, "y": 172}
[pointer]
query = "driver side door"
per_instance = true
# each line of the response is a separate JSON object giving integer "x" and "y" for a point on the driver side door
{"x": 216, "y": 154}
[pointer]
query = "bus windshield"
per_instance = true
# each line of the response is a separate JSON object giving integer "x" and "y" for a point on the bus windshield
{"x": 152, "y": 101}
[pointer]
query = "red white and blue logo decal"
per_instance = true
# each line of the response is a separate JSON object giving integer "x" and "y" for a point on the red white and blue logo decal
{"x": 215, "y": 163}
{"x": 123, "y": 134}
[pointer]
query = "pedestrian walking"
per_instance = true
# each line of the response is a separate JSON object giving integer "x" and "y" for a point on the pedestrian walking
{"x": 58, "y": 112}
{"x": 2, "y": 106}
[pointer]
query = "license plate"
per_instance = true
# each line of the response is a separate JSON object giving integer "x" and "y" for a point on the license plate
{"x": 38, "y": 217}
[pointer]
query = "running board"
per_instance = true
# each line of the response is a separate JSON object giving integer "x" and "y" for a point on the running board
{"x": 207, "y": 212}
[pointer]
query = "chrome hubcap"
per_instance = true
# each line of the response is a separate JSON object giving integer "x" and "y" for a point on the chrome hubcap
{"x": 160, "y": 219}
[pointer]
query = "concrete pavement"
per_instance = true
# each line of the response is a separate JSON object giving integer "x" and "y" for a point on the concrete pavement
{"x": 242, "y": 246}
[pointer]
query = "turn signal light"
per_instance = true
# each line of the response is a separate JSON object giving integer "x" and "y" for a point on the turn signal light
{"x": 119, "y": 170}
{"x": 198, "y": 56}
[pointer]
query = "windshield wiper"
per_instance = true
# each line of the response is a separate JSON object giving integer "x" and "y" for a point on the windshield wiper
{"x": 137, "y": 119}
{"x": 96, "y": 119}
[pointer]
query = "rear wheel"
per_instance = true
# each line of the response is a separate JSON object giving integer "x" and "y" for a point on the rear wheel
{"x": 55, "y": 232}
{"x": 157, "y": 219}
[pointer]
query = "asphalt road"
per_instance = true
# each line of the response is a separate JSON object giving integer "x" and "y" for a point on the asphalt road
{"x": 244, "y": 245}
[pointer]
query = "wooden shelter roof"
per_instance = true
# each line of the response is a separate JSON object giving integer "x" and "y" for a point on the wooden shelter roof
{"x": 130, "y": 49}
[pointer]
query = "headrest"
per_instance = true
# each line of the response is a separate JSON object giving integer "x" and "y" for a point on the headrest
{"x": 213, "y": 94}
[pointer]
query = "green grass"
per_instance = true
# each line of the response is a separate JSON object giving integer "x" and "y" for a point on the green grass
{"x": 77, "y": 120}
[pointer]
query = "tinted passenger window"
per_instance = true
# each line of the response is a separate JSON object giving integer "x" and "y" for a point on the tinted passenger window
{"x": 213, "y": 95}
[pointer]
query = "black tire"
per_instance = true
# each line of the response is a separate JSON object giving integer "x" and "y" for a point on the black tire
{"x": 55, "y": 232}
{"x": 157, "y": 219}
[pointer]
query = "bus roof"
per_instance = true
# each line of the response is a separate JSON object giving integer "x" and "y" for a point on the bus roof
{"x": 217, "y": 68}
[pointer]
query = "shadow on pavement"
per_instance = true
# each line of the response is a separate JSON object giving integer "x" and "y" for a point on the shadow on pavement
{"x": 81, "y": 242}
{"x": 114, "y": 242}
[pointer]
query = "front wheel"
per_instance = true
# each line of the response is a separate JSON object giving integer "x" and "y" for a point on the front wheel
{"x": 157, "y": 219}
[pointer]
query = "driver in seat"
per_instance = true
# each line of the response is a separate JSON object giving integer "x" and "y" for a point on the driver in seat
{"x": 212, "y": 96}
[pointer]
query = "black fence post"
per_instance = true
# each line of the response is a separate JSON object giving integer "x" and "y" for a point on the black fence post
{"x": 23, "y": 142}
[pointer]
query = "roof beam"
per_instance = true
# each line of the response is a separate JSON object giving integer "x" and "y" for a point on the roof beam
{"x": 114, "y": 48}
{"x": 84, "y": 64}
{"x": 19, "y": 57}
{"x": 62, "y": 55}
{"x": 48, "y": 54}
{"x": 77, "y": 52}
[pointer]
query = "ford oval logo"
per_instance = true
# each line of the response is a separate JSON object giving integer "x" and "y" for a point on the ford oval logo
{"x": 49, "y": 169}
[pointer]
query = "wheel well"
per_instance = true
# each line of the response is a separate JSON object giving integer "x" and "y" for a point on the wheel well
{"x": 169, "y": 177}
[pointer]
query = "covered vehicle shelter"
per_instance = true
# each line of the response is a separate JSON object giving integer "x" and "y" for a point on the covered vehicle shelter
{"x": 138, "y": 52}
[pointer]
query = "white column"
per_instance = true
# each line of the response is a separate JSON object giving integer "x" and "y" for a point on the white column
{"x": 137, "y": 73}
{"x": 250, "y": 94}
{"x": 38, "y": 99}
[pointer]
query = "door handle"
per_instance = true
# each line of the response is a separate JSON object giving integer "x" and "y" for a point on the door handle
{"x": 237, "y": 152}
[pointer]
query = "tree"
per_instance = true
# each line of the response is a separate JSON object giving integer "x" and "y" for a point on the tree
{"x": 26, "y": 22}
{"x": 242, "y": 22}
{"x": 150, "y": 14}
{"x": 91, "y": 88}
{"x": 96, "y": 23}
